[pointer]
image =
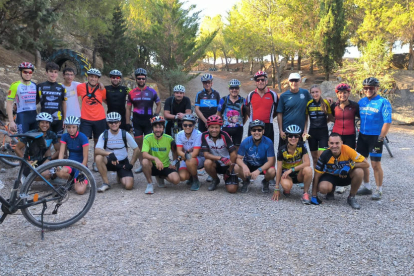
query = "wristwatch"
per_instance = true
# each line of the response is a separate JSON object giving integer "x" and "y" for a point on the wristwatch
{"x": 293, "y": 169}
{"x": 260, "y": 170}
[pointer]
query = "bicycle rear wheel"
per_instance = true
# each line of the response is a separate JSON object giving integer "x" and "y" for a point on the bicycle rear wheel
{"x": 62, "y": 211}
{"x": 7, "y": 145}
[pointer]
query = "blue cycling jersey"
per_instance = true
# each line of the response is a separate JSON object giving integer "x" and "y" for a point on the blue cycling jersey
{"x": 374, "y": 114}
{"x": 75, "y": 145}
{"x": 256, "y": 155}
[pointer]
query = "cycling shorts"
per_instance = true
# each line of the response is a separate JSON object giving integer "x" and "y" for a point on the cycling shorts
{"x": 26, "y": 121}
{"x": 293, "y": 176}
{"x": 349, "y": 140}
{"x": 142, "y": 126}
{"x": 369, "y": 145}
{"x": 200, "y": 163}
{"x": 253, "y": 168}
{"x": 92, "y": 127}
{"x": 164, "y": 172}
{"x": 57, "y": 126}
{"x": 318, "y": 139}
{"x": 121, "y": 172}
{"x": 221, "y": 169}
{"x": 236, "y": 134}
{"x": 335, "y": 180}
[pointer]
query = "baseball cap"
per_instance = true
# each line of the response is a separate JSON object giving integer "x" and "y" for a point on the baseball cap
{"x": 294, "y": 76}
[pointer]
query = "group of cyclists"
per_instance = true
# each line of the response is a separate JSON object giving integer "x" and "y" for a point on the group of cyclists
{"x": 211, "y": 140}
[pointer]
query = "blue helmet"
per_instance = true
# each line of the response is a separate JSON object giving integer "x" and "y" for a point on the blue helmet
{"x": 207, "y": 77}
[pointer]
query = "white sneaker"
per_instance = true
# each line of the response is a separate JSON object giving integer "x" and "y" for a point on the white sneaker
{"x": 160, "y": 182}
{"x": 103, "y": 188}
{"x": 340, "y": 189}
{"x": 149, "y": 189}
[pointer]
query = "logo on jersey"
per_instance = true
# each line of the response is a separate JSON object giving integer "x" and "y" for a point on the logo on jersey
{"x": 302, "y": 96}
{"x": 51, "y": 98}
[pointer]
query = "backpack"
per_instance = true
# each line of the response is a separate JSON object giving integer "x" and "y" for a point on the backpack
{"x": 35, "y": 149}
{"x": 223, "y": 107}
{"x": 105, "y": 137}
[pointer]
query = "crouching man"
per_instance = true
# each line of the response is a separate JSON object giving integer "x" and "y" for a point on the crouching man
{"x": 111, "y": 153}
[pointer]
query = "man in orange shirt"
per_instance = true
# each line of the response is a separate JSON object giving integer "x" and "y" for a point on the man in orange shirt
{"x": 93, "y": 118}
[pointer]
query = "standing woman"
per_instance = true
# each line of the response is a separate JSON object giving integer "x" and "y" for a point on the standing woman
{"x": 345, "y": 111}
{"x": 319, "y": 111}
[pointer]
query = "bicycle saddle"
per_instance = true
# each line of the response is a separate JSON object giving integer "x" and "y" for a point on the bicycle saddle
{"x": 31, "y": 135}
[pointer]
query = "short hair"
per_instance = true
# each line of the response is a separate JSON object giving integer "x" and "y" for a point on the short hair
{"x": 159, "y": 123}
{"x": 51, "y": 66}
{"x": 68, "y": 69}
{"x": 334, "y": 134}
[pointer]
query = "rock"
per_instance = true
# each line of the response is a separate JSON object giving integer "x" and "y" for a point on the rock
{"x": 2, "y": 170}
{"x": 3, "y": 96}
{"x": 2, "y": 70}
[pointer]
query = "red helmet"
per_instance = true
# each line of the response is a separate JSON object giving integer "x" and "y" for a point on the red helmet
{"x": 26, "y": 65}
{"x": 214, "y": 120}
{"x": 342, "y": 87}
{"x": 259, "y": 74}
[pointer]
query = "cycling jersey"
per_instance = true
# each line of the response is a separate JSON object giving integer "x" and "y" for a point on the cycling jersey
{"x": 256, "y": 155}
{"x": 75, "y": 145}
{"x": 291, "y": 160}
{"x": 72, "y": 102}
{"x": 159, "y": 148}
{"x": 262, "y": 108}
{"x": 175, "y": 108}
{"x": 222, "y": 147}
{"x": 345, "y": 118}
{"x": 51, "y": 96}
{"x": 374, "y": 114}
{"x": 116, "y": 144}
{"x": 293, "y": 107}
{"x": 143, "y": 100}
{"x": 92, "y": 98}
{"x": 317, "y": 117}
{"x": 232, "y": 113}
{"x": 327, "y": 163}
{"x": 50, "y": 138}
{"x": 116, "y": 99}
{"x": 207, "y": 102}
{"x": 188, "y": 144}
{"x": 24, "y": 96}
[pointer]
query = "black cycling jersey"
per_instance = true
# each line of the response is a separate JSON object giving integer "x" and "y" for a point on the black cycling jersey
{"x": 175, "y": 107}
{"x": 316, "y": 115}
{"x": 116, "y": 99}
{"x": 51, "y": 96}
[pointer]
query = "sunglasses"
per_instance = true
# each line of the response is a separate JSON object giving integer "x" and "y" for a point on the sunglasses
{"x": 293, "y": 136}
{"x": 370, "y": 88}
{"x": 111, "y": 123}
{"x": 256, "y": 130}
{"x": 27, "y": 72}
{"x": 206, "y": 82}
{"x": 117, "y": 78}
{"x": 234, "y": 88}
{"x": 140, "y": 79}
{"x": 260, "y": 80}
{"x": 187, "y": 125}
{"x": 294, "y": 80}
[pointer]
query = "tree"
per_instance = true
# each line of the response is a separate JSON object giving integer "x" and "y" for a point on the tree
{"x": 209, "y": 27}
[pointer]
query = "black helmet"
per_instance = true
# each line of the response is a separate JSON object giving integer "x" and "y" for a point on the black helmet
{"x": 256, "y": 123}
{"x": 371, "y": 81}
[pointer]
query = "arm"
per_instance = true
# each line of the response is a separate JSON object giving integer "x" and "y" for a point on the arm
{"x": 9, "y": 111}
{"x": 219, "y": 113}
{"x": 62, "y": 150}
{"x": 57, "y": 151}
{"x": 276, "y": 193}
{"x": 158, "y": 109}
{"x": 363, "y": 164}
{"x": 128, "y": 114}
{"x": 85, "y": 155}
{"x": 134, "y": 157}
{"x": 384, "y": 130}
{"x": 280, "y": 124}
{"x": 99, "y": 151}
{"x": 168, "y": 115}
{"x": 19, "y": 149}
{"x": 64, "y": 107}
{"x": 199, "y": 114}
{"x": 210, "y": 156}
{"x": 305, "y": 129}
{"x": 188, "y": 111}
{"x": 180, "y": 152}
{"x": 315, "y": 183}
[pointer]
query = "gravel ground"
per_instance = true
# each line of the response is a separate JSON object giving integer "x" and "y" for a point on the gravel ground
{"x": 179, "y": 232}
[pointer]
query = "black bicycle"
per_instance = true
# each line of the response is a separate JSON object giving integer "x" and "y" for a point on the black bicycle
{"x": 7, "y": 145}
{"x": 45, "y": 200}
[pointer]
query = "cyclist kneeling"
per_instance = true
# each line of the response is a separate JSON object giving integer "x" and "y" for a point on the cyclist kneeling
{"x": 220, "y": 154}
{"x": 256, "y": 155}
{"x": 188, "y": 147}
{"x": 38, "y": 150}
{"x": 293, "y": 165}
{"x": 77, "y": 145}
{"x": 111, "y": 153}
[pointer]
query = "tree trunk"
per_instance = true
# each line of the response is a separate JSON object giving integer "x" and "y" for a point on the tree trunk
{"x": 262, "y": 66}
{"x": 278, "y": 72}
{"x": 225, "y": 58}
{"x": 237, "y": 60}
{"x": 292, "y": 61}
{"x": 327, "y": 76}
{"x": 38, "y": 59}
{"x": 411, "y": 56}
{"x": 251, "y": 66}
{"x": 311, "y": 65}
{"x": 214, "y": 60}
{"x": 273, "y": 71}
{"x": 94, "y": 56}
{"x": 299, "y": 61}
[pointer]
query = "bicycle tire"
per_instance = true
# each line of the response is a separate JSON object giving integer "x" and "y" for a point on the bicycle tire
{"x": 73, "y": 206}
{"x": 8, "y": 150}
{"x": 387, "y": 146}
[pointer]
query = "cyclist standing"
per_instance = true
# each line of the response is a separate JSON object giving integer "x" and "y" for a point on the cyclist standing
{"x": 23, "y": 92}
{"x": 233, "y": 111}
{"x": 93, "y": 119}
{"x": 175, "y": 108}
{"x": 156, "y": 149}
{"x": 116, "y": 95}
{"x": 52, "y": 97}
{"x": 72, "y": 102}
{"x": 375, "y": 113}
{"x": 262, "y": 103}
{"x": 142, "y": 99}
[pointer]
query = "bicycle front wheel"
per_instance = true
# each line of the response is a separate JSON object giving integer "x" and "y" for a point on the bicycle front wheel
{"x": 64, "y": 207}
{"x": 7, "y": 145}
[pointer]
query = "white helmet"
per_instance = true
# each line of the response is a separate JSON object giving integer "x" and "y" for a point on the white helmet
{"x": 234, "y": 83}
{"x": 94, "y": 71}
{"x": 293, "y": 129}
{"x": 115, "y": 73}
{"x": 179, "y": 88}
{"x": 113, "y": 117}
{"x": 44, "y": 116}
{"x": 72, "y": 120}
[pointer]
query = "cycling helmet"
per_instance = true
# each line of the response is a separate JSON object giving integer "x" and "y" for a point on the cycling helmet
{"x": 293, "y": 129}
{"x": 190, "y": 118}
{"x": 234, "y": 83}
{"x": 179, "y": 88}
{"x": 371, "y": 81}
{"x": 157, "y": 120}
{"x": 342, "y": 87}
{"x": 113, "y": 117}
{"x": 140, "y": 72}
{"x": 259, "y": 74}
{"x": 256, "y": 123}
{"x": 207, "y": 77}
{"x": 116, "y": 73}
{"x": 214, "y": 120}
{"x": 72, "y": 120}
{"x": 44, "y": 116}
{"x": 26, "y": 65}
{"x": 94, "y": 71}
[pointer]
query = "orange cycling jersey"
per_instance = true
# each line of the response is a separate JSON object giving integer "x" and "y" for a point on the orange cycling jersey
{"x": 92, "y": 98}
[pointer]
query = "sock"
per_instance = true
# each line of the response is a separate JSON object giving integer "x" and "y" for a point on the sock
{"x": 379, "y": 189}
{"x": 368, "y": 185}
{"x": 194, "y": 177}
